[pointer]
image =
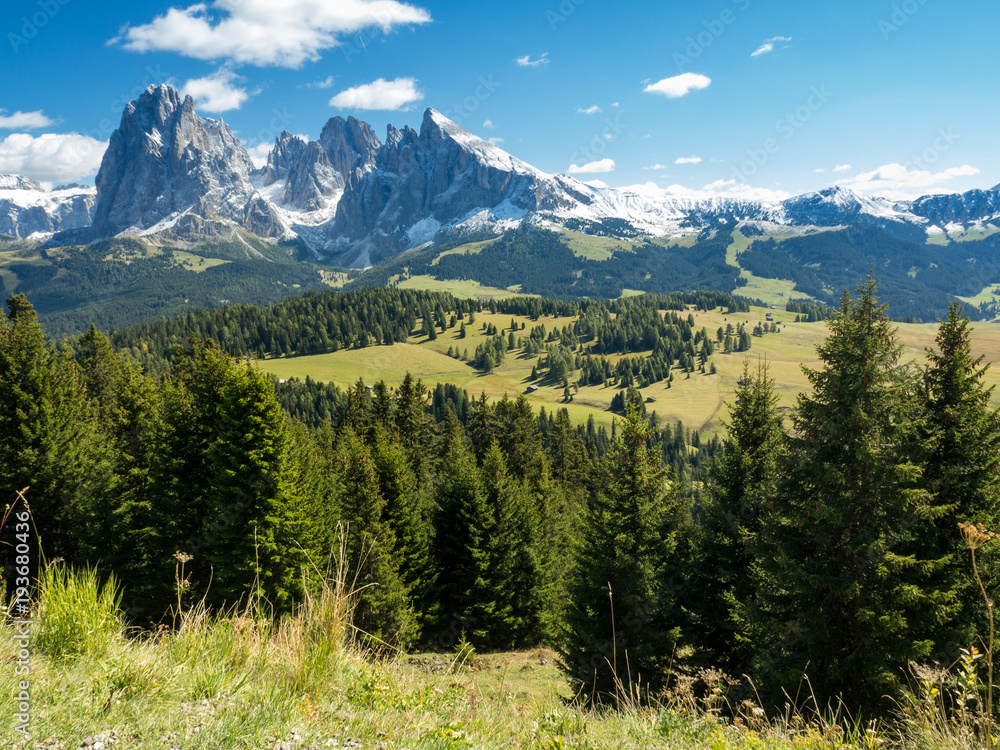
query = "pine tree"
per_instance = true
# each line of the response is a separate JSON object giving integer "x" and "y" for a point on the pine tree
{"x": 513, "y": 568}
{"x": 842, "y": 588}
{"x": 743, "y": 481}
{"x": 463, "y": 526}
{"x": 408, "y": 514}
{"x": 623, "y": 619}
{"x": 48, "y": 433}
{"x": 962, "y": 471}
{"x": 383, "y": 611}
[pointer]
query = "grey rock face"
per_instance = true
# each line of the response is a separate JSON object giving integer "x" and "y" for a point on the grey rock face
{"x": 421, "y": 182}
{"x": 310, "y": 178}
{"x": 351, "y": 146}
{"x": 164, "y": 161}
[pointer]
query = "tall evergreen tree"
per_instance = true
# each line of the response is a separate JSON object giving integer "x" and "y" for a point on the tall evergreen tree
{"x": 962, "y": 471}
{"x": 843, "y": 589}
{"x": 48, "y": 433}
{"x": 742, "y": 484}
{"x": 513, "y": 567}
{"x": 383, "y": 611}
{"x": 463, "y": 527}
{"x": 623, "y": 619}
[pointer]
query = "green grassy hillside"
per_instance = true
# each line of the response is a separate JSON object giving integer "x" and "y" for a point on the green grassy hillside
{"x": 699, "y": 401}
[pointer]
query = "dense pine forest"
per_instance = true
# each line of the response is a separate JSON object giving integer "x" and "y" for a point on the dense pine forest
{"x": 826, "y": 546}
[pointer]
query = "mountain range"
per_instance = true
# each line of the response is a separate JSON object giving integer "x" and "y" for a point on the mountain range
{"x": 354, "y": 200}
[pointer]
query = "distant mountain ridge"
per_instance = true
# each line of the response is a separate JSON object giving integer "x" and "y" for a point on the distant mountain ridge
{"x": 354, "y": 200}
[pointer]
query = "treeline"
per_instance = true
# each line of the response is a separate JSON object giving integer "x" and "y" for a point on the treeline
{"x": 314, "y": 323}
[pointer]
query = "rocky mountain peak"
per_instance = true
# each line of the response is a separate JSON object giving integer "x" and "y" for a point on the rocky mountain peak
{"x": 284, "y": 156}
{"x": 350, "y": 144}
{"x": 168, "y": 168}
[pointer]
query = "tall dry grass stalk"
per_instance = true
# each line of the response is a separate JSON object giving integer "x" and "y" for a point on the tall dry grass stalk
{"x": 975, "y": 536}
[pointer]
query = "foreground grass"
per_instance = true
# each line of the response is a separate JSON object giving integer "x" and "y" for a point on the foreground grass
{"x": 242, "y": 683}
{"x": 248, "y": 681}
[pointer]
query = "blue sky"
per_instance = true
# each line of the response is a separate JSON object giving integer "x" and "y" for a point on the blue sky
{"x": 729, "y": 97}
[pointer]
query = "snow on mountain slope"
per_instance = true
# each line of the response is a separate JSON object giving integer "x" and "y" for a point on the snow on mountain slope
{"x": 28, "y": 210}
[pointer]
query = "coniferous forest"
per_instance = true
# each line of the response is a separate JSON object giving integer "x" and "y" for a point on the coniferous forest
{"x": 826, "y": 544}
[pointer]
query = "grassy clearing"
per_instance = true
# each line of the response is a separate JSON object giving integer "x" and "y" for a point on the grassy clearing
{"x": 473, "y": 248}
{"x": 595, "y": 248}
{"x": 772, "y": 291}
{"x": 462, "y": 288}
{"x": 698, "y": 401}
{"x": 334, "y": 279}
{"x": 247, "y": 681}
{"x": 989, "y": 294}
{"x": 196, "y": 263}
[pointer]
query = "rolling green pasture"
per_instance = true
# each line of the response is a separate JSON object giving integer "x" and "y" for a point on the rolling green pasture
{"x": 698, "y": 401}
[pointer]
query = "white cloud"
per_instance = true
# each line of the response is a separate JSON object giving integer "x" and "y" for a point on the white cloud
{"x": 589, "y": 110}
{"x": 50, "y": 157}
{"x": 488, "y": 124}
{"x": 819, "y": 170}
{"x": 688, "y": 160}
{"x": 265, "y": 32}
{"x": 380, "y": 94}
{"x": 23, "y": 120}
{"x": 324, "y": 84}
{"x": 602, "y": 166}
{"x": 495, "y": 141}
{"x": 898, "y": 181}
{"x": 216, "y": 92}
{"x": 678, "y": 86}
{"x": 768, "y": 45}
{"x": 657, "y": 166}
{"x": 842, "y": 168}
{"x": 527, "y": 62}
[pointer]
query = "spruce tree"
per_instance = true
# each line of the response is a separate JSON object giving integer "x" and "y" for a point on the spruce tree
{"x": 463, "y": 528}
{"x": 513, "y": 567}
{"x": 383, "y": 611}
{"x": 742, "y": 483}
{"x": 962, "y": 471}
{"x": 408, "y": 514}
{"x": 623, "y": 619}
{"x": 842, "y": 586}
{"x": 48, "y": 433}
